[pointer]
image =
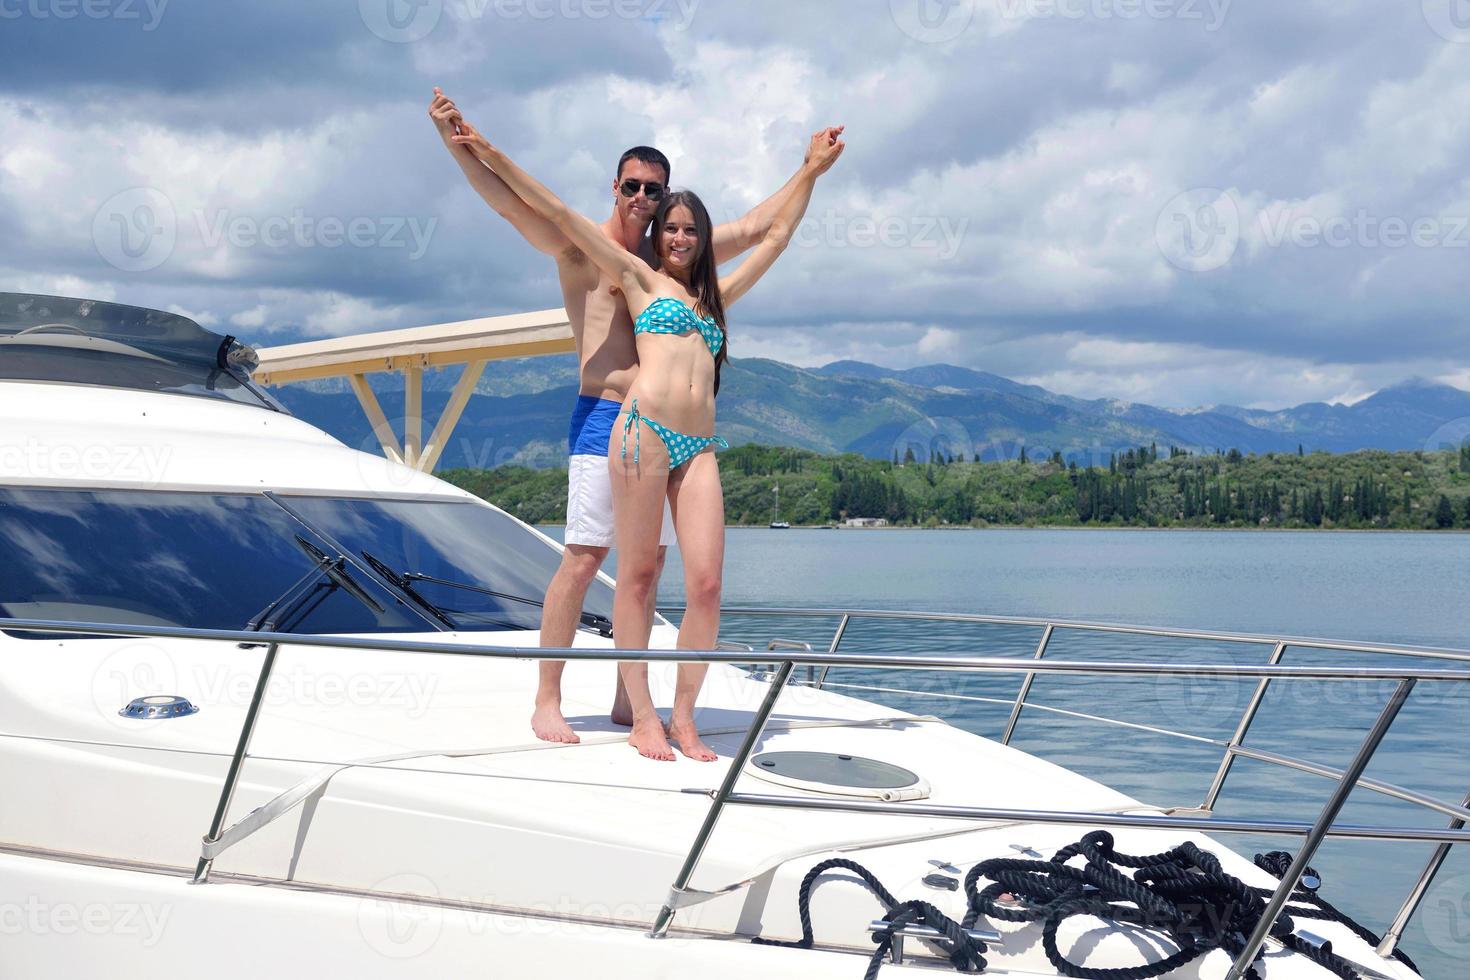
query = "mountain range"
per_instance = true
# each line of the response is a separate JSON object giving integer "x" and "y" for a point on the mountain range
{"x": 519, "y": 415}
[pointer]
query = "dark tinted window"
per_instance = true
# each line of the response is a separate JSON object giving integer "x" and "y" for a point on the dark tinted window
{"x": 459, "y": 542}
{"x": 80, "y": 365}
{"x": 210, "y": 561}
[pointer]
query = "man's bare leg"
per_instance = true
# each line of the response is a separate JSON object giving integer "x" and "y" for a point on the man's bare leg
{"x": 622, "y": 709}
{"x": 560, "y": 617}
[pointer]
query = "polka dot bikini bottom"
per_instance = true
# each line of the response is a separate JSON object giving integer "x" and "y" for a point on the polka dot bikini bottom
{"x": 681, "y": 448}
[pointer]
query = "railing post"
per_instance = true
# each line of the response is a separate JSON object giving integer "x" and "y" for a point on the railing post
{"x": 1243, "y": 726}
{"x": 1333, "y": 807}
{"x": 1411, "y": 904}
{"x": 836, "y": 639}
{"x": 1025, "y": 688}
{"x": 737, "y": 764}
{"x": 201, "y": 871}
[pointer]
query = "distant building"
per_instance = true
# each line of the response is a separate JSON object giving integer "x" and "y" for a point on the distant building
{"x": 865, "y": 522}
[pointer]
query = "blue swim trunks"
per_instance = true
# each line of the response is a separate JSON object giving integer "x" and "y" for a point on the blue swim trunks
{"x": 592, "y": 425}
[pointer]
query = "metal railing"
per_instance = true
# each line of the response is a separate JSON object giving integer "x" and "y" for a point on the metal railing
{"x": 797, "y": 654}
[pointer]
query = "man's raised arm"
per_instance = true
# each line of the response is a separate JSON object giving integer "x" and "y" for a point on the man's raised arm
{"x": 540, "y": 233}
{"x": 733, "y": 237}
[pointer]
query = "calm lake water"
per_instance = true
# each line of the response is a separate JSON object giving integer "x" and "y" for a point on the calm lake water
{"x": 1409, "y": 589}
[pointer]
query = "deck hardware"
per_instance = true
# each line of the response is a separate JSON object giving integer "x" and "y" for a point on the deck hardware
{"x": 159, "y": 706}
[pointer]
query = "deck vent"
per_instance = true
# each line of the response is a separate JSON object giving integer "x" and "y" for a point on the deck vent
{"x": 158, "y": 706}
{"x": 840, "y": 775}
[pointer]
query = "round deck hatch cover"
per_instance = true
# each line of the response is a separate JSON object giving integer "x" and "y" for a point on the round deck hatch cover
{"x": 831, "y": 772}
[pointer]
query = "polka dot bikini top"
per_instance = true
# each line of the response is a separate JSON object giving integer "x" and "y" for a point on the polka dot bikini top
{"x": 669, "y": 315}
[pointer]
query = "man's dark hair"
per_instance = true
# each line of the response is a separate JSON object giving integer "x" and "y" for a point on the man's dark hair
{"x": 648, "y": 155}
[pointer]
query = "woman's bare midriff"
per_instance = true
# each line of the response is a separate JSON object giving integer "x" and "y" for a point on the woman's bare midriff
{"x": 675, "y": 382}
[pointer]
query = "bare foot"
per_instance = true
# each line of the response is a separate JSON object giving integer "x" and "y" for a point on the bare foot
{"x": 686, "y": 735}
{"x": 649, "y": 739}
{"x": 549, "y": 725}
{"x": 622, "y": 710}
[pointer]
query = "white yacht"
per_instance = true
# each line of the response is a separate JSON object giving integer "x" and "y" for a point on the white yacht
{"x": 264, "y": 708}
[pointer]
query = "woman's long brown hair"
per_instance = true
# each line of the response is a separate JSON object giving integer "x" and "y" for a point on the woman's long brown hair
{"x": 704, "y": 278}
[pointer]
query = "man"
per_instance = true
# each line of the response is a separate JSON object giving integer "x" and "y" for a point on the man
{"x": 607, "y": 360}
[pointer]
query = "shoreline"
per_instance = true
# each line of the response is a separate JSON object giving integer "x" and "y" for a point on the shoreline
{"x": 1095, "y": 527}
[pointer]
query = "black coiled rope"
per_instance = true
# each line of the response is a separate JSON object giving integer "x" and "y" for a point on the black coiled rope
{"x": 1183, "y": 893}
{"x": 965, "y": 954}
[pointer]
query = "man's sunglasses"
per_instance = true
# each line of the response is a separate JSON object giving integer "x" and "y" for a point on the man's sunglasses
{"x": 651, "y": 189}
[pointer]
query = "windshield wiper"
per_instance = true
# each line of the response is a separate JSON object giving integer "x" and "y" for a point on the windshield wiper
{"x": 291, "y": 601}
{"x": 405, "y": 580}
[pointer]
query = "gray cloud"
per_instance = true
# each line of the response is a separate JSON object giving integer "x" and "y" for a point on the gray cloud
{"x": 1004, "y": 202}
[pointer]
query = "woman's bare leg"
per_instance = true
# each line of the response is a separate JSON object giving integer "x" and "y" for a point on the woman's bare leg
{"x": 699, "y": 520}
{"x": 638, "y": 490}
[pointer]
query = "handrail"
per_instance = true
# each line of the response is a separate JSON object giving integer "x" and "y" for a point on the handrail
{"x": 798, "y": 653}
{"x": 924, "y": 661}
{"x": 1318, "y": 643}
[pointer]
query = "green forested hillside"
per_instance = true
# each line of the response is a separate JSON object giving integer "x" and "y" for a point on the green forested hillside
{"x": 1144, "y": 487}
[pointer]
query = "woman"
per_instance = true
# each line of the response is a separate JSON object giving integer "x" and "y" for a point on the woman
{"x": 678, "y": 308}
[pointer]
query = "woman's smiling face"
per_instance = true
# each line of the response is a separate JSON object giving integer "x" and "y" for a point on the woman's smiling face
{"x": 678, "y": 238}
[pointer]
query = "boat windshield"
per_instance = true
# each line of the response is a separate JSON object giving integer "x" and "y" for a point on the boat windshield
{"x": 148, "y": 558}
{"x": 302, "y": 564}
{"x": 475, "y": 565}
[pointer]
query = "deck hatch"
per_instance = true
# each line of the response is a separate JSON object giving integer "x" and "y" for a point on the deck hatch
{"x": 841, "y": 774}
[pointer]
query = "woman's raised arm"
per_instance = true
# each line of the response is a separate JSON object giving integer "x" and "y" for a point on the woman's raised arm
{"x": 626, "y": 269}
{"x": 738, "y": 282}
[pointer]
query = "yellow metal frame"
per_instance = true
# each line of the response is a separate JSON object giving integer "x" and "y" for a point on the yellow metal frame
{"x": 472, "y": 343}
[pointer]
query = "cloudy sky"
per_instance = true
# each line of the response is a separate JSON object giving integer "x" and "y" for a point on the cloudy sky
{"x": 1183, "y": 202}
